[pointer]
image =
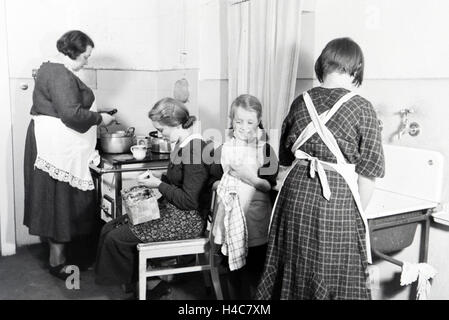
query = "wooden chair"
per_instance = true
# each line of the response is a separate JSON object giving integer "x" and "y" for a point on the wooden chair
{"x": 203, "y": 248}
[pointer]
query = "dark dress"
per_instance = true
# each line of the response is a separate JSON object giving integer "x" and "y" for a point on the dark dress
{"x": 316, "y": 248}
{"x": 184, "y": 209}
{"x": 55, "y": 209}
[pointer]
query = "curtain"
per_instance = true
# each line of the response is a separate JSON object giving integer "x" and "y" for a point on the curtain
{"x": 263, "y": 43}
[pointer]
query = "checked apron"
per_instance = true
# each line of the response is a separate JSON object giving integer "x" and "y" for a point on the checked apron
{"x": 346, "y": 170}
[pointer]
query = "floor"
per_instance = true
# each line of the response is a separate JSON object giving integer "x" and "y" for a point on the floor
{"x": 25, "y": 277}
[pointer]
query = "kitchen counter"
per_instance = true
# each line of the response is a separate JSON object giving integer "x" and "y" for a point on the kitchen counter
{"x": 387, "y": 203}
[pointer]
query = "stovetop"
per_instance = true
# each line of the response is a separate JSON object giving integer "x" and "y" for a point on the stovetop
{"x": 127, "y": 158}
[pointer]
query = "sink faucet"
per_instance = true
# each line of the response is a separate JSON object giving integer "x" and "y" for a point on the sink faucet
{"x": 405, "y": 123}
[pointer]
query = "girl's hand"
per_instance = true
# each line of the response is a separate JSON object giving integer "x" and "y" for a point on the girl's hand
{"x": 244, "y": 173}
{"x": 241, "y": 171}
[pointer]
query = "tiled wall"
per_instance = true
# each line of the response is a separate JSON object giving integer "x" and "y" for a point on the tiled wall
{"x": 133, "y": 93}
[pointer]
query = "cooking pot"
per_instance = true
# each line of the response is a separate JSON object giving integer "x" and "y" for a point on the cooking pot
{"x": 159, "y": 144}
{"x": 117, "y": 141}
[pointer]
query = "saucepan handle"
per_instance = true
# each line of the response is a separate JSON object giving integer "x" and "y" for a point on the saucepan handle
{"x": 111, "y": 112}
{"x": 130, "y": 131}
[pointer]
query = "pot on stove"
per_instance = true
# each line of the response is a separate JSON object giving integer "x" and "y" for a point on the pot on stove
{"x": 117, "y": 141}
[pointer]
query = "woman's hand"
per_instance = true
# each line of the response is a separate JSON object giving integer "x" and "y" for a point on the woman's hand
{"x": 158, "y": 173}
{"x": 149, "y": 180}
{"x": 106, "y": 119}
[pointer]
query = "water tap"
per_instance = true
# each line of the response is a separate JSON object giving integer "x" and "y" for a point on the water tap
{"x": 405, "y": 123}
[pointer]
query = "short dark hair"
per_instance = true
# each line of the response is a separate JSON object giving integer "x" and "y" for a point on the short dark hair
{"x": 73, "y": 43}
{"x": 343, "y": 55}
{"x": 172, "y": 113}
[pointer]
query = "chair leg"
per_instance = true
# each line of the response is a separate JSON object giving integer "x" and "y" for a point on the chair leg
{"x": 142, "y": 278}
{"x": 215, "y": 275}
{"x": 201, "y": 260}
{"x": 216, "y": 283}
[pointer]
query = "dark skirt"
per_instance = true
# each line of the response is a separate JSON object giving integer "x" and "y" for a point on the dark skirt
{"x": 243, "y": 282}
{"x": 117, "y": 259}
{"x": 316, "y": 248}
{"x": 54, "y": 209}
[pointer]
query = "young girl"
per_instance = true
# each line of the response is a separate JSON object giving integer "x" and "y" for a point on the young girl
{"x": 248, "y": 171}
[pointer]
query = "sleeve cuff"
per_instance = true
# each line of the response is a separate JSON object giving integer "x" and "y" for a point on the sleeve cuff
{"x": 164, "y": 188}
{"x": 164, "y": 178}
{"x": 99, "y": 120}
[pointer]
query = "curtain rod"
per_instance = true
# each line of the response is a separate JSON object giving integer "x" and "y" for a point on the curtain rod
{"x": 239, "y": 2}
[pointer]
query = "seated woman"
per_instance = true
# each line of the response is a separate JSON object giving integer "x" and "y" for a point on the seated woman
{"x": 247, "y": 166}
{"x": 183, "y": 210}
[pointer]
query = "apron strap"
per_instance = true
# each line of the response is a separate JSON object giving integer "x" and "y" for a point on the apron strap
{"x": 318, "y": 126}
{"x": 310, "y": 130}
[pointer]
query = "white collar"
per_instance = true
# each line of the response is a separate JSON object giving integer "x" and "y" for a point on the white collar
{"x": 190, "y": 138}
{"x": 62, "y": 59}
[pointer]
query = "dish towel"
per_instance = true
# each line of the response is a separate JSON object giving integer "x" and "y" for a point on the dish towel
{"x": 422, "y": 272}
{"x": 234, "y": 238}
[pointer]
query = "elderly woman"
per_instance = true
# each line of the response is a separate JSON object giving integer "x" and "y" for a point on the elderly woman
{"x": 331, "y": 143}
{"x": 60, "y": 202}
{"x": 183, "y": 212}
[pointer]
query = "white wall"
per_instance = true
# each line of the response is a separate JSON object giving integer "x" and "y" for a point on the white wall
{"x": 401, "y": 39}
{"x": 125, "y": 32}
{"x": 7, "y": 227}
{"x": 213, "y": 66}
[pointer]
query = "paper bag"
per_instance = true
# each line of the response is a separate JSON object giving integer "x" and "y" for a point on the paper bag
{"x": 141, "y": 204}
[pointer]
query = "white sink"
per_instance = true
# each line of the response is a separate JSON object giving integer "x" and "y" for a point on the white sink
{"x": 413, "y": 181}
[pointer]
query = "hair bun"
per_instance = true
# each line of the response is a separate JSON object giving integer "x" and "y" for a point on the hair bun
{"x": 189, "y": 122}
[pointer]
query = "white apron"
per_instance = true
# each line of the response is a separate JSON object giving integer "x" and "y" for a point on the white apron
{"x": 65, "y": 154}
{"x": 346, "y": 170}
{"x": 255, "y": 204}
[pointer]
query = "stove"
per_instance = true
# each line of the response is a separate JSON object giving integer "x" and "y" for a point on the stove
{"x": 119, "y": 171}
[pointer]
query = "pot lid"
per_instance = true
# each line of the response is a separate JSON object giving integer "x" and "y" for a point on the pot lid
{"x": 118, "y": 134}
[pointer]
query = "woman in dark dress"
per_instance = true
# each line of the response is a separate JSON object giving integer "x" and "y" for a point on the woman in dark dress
{"x": 317, "y": 245}
{"x": 60, "y": 201}
{"x": 183, "y": 211}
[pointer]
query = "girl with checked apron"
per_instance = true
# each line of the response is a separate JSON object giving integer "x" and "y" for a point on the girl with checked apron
{"x": 331, "y": 148}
